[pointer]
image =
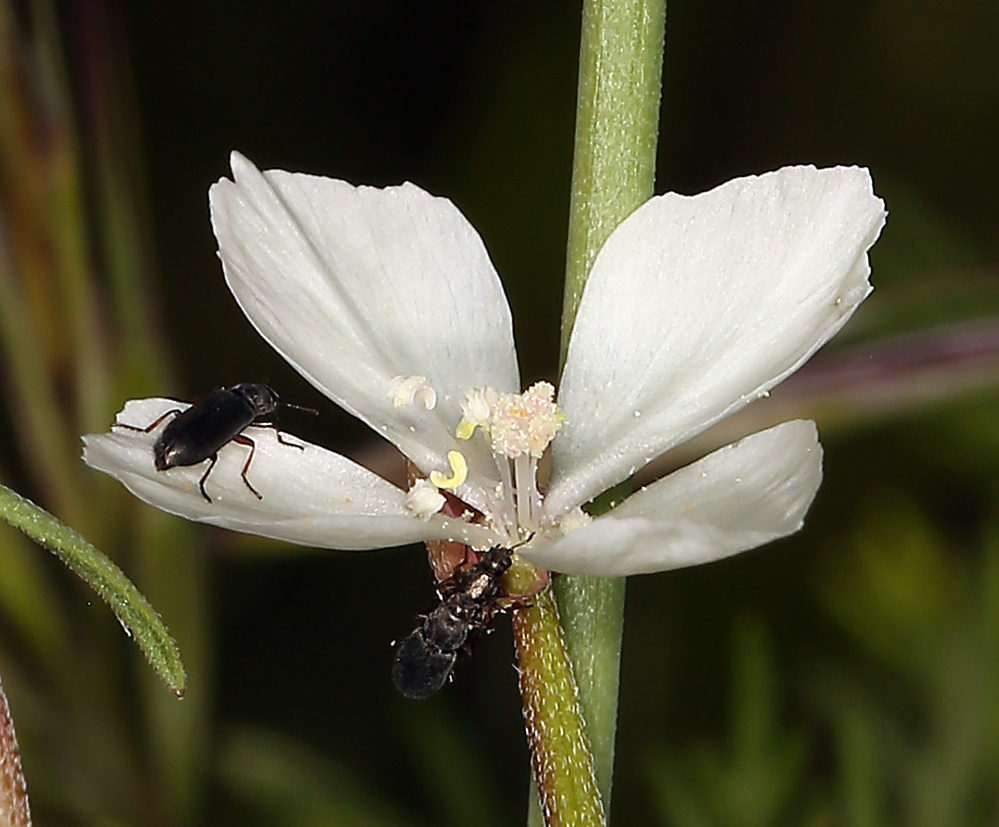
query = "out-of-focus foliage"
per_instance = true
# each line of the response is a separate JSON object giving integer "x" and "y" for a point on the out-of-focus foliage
{"x": 917, "y": 730}
{"x": 103, "y": 741}
{"x": 755, "y": 779}
{"x": 906, "y": 719}
{"x": 276, "y": 781}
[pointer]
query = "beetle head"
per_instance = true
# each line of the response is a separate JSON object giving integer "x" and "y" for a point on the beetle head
{"x": 263, "y": 399}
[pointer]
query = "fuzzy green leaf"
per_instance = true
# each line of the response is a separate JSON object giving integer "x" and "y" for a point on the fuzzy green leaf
{"x": 139, "y": 619}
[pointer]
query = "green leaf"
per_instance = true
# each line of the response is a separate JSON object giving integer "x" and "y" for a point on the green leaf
{"x": 133, "y": 611}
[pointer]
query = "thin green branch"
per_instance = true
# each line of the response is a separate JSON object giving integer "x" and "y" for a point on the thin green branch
{"x": 133, "y": 611}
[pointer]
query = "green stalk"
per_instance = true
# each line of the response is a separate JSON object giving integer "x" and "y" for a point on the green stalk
{"x": 569, "y": 681}
{"x": 617, "y": 127}
{"x": 556, "y": 733}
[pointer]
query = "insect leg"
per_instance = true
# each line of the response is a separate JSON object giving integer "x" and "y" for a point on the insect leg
{"x": 148, "y": 428}
{"x": 285, "y": 442}
{"x": 280, "y": 437}
{"x": 245, "y": 440}
{"x": 201, "y": 482}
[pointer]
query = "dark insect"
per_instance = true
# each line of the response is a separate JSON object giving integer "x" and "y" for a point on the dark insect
{"x": 197, "y": 433}
{"x": 424, "y": 660}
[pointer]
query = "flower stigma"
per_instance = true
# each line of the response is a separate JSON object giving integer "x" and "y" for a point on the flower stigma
{"x": 525, "y": 423}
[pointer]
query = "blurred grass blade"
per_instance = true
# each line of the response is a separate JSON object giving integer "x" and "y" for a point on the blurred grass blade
{"x": 287, "y": 784}
{"x": 35, "y": 411}
{"x": 132, "y": 609}
{"x": 29, "y": 603}
{"x": 14, "y": 810}
{"x": 438, "y": 744}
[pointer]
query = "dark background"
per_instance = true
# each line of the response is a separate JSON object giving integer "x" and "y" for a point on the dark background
{"x": 475, "y": 101}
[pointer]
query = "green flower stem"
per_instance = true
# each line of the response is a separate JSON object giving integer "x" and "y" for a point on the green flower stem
{"x": 620, "y": 74}
{"x": 617, "y": 127}
{"x": 560, "y": 752}
{"x": 592, "y": 611}
{"x": 133, "y": 611}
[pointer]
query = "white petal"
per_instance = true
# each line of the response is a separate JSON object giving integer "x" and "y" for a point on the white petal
{"x": 737, "y": 498}
{"x": 698, "y": 305}
{"x": 357, "y": 286}
{"x": 310, "y": 496}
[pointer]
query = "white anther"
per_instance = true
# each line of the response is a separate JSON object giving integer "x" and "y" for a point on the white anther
{"x": 575, "y": 519}
{"x": 476, "y": 409}
{"x": 404, "y": 390}
{"x": 424, "y": 500}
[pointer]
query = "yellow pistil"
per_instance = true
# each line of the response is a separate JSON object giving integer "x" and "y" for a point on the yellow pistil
{"x": 465, "y": 429}
{"x": 459, "y": 472}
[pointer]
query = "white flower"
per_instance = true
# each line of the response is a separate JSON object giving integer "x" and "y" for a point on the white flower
{"x": 387, "y": 302}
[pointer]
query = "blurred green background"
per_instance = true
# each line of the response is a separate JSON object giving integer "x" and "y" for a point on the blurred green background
{"x": 846, "y": 676}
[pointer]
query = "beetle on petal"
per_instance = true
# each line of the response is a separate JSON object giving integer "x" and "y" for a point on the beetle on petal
{"x": 387, "y": 302}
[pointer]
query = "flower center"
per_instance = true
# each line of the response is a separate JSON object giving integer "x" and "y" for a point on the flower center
{"x": 518, "y": 428}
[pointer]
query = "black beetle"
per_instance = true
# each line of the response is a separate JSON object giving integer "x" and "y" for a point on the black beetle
{"x": 197, "y": 433}
{"x": 424, "y": 660}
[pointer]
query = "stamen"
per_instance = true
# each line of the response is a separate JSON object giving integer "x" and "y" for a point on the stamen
{"x": 508, "y": 510}
{"x": 535, "y": 494}
{"x": 518, "y": 428}
{"x": 475, "y": 409}
{"x": 424, "y": 500}
{"x": 404, "y": 390}
{"x": 522, "y": 467}
{"x": 575, "y": 519}
{"x": 459, "y": 472}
